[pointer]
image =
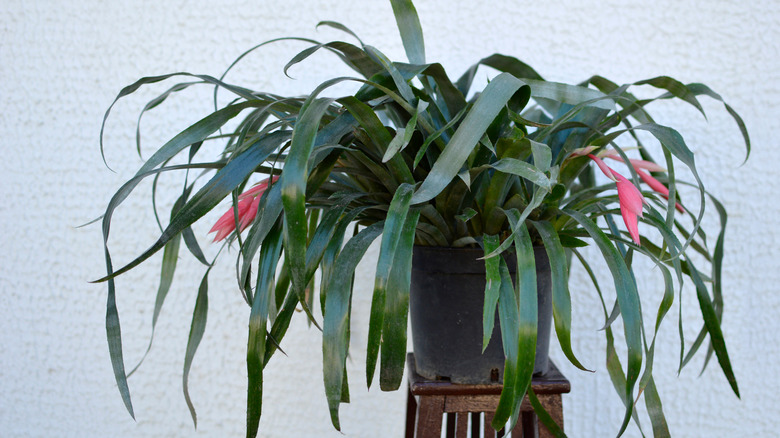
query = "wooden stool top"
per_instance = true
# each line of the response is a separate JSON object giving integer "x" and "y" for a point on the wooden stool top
{"x": 553, "y": 382}
{"x": 459, "y": 402}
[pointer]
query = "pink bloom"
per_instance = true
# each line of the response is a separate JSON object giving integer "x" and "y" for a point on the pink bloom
{"x": 654, "y": 184}
{"x": 658, "y": 187}
{"x": 632, "y": 223}
{"x": 629, "y": 197}
{"x": 631, "y": 201}
{"x": 604, "y": 168}
{"x": 637, "y": 164}
{"x": 248, "y": 203}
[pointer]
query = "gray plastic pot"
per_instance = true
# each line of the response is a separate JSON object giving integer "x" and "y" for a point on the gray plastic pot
{"x": 446, "y": 304}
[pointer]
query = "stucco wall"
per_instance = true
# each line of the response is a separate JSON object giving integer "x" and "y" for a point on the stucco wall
{"x": 62, "y": 63}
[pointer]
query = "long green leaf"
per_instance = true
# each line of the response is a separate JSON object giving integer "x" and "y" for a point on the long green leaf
{"x": 335, "y": 331}
{"x": 411, "y": 31}
{"x": 271, "y": 204}
{"x": 113, "y": 327}
{"x": 526, "y": 291}
{"x": 132, "y": 88}
{"x": 397, "y": 308}
{"x": 628, "y": 299}
{"x": 468, "y": 134}
{"x": 332, "y": 251}
{"x": 401, "y": 85}
{"x": 500, "y": 62}
{"x": 154, "y": 103}
{"x": 256, "y": 345}
{"x": 492, "y": 289}
{"x": 717, "y": 268}
{"x": 655, "y": 411}
{"x": 197, "y": 132}
{"x": 201, "y": 203}
{"x": 197, "y": 328}
{"x": 268, "y": 212}
{"x": 293, "y": 186}
{"x": 712, "y": 324}
{"x": 523, "y": 170}
{"x": 698, "y": 89}
{"x": 509, "y": 319}
{"x": 570, "y": 94}
{"x": 528, "y": 301}
{"x": 561, "y": 300}
{"x": 453, "y": 98}
{"x": 544, "y": 416}
{"x": 404, "y": 136}
{"x": 340, "y": 27}
{"x": 167, "y": 269}
{"x": 396, "y": 216}
{"x": 379, "y": 134}
{"x": 674, "y": 143}
{"x": 674, "y": 87}
{"x": 114, "y": 337}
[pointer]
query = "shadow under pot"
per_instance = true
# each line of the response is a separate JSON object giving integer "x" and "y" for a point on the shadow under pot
{"x": 446, "y": 304}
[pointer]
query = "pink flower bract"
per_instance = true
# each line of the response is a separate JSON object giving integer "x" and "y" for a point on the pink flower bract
{"x": 631, "y": 201}
{"x": 657, "y": 186}
{"x": 629, "y": 197}
{"x": 603, "y": 166}
{"x": 248, "y": 203}
{"x": 639, "y": 167}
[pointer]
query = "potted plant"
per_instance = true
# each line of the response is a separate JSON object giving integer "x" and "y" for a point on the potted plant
{"x": 520, "y": 174}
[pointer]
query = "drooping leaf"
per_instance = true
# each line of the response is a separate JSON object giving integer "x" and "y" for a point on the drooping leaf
{"x": 293, "y": 186}
{"x": 526, "y": 293}
{"x": 544, "y": 416}
{"x": 397, "y": 308}
{"x": 509, "y": 319}
{"x": 114, "y": 336}
{"x": 201, "y": 203}
{"x": 561, "y": 300}
{"x": 391, "y": 236}
{"x": 628, "y": 299}
{"x": 492, "y": 289}
{"x": 336, "y": 319}
{"x": 256, "y": 344}
{"x": 167, "y": 269}
{"x": 712, "y": 324}
{"x": 197, "y": 328}
{"x": 674, "y": 143}
{"x": 674, "y": 87}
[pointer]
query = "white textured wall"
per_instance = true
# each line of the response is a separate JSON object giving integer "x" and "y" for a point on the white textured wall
{"x": 61, "y": 64}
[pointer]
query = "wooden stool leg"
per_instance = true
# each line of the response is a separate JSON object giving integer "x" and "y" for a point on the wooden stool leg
{"x": 429, "y": 417}
{"x": 462, "y": 427}
{"x": 529, "y": 424}
{"x": 411, "y": 413}
{"x": 554, "y": 406}
{"x": 475, "y": 420}
{"x": 489, "y": 432}
{"x": 450, "y": 432}
{"x": 525, "y": 426}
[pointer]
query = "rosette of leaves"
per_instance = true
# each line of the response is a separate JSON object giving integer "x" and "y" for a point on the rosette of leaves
{"x": 417, "y": 158}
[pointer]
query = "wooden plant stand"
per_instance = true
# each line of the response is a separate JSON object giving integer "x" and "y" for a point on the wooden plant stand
{"x": 429, "y": 400}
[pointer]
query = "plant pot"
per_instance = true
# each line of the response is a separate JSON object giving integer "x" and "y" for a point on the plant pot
{"x": 446, "y": 304}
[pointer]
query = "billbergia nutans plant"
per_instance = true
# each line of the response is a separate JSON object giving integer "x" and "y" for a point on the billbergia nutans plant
{"x": 305, "y": 184}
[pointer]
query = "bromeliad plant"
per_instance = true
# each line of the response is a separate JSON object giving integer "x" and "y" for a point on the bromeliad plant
{"x": 419, "y": 159}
